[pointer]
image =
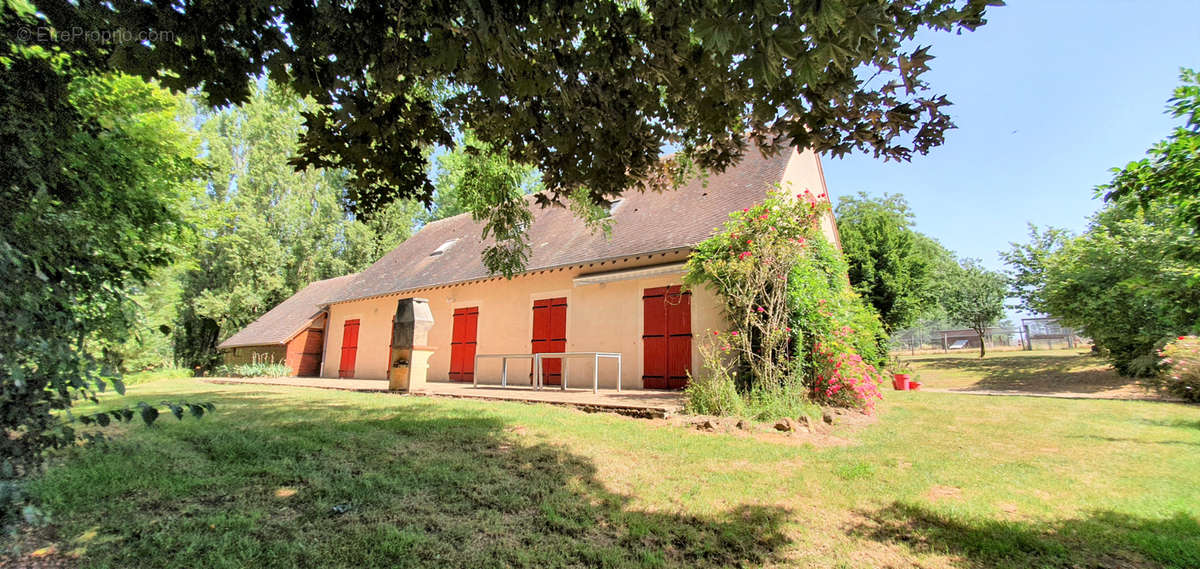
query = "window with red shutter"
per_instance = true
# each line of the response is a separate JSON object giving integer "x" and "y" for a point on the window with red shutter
{"x": 349, "y": 348}
{"x": 550, "y": 335}
{"x": 666, "y": 337}
{"x": 462, "y": 344}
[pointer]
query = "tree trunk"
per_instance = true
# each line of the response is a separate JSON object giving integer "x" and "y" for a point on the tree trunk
{"x": 980, "y": 343}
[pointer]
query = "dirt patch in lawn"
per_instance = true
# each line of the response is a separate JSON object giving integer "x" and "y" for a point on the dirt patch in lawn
{"x": 35, "y": 548}
{"x": 829, "y": 431}
{"x": 939, "y": 492}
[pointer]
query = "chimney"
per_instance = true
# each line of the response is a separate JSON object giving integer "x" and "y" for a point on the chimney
{"x": 410, "y": 339}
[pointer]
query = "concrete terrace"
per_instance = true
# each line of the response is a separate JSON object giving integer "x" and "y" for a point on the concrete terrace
{"x": 632, "y": 402}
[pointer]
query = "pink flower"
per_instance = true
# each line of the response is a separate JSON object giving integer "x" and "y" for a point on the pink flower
{"x": 744, "y": 255}
{"x": 760, "y": 309}
{"x": 733, "y": 333}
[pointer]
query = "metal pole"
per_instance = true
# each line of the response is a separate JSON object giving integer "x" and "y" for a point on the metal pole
{"x": 618, "y": 373}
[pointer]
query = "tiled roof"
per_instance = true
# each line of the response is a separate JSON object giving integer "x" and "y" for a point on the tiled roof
{"x": 281, "y": 323}
{"x": 643, "y": 223}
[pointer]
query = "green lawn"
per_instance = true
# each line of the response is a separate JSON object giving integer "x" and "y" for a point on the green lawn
{"x": 1041, "y": 371}
{"x": 941, "y": 480}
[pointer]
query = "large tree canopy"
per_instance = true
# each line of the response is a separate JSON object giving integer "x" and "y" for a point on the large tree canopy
{"x": 93, "y": 170}
{"x": 589, "y": 92}
{"x": 889, "y": 266}
{"x": 1170, "y": 173}
{"x": 1130, "y": 282}
{"x": 265, "y": 230}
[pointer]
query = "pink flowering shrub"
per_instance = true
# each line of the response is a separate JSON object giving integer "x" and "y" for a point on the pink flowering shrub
{"x": 1181, "y": 376}
{"x": 798, "y": 334}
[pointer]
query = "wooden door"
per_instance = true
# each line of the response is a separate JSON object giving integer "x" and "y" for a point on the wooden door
{"x": 666, "y": 337}
{"x": 349, "y": 348}
{"x": 304, "y": 353}
{"x": 550, "y": 335}
{"x": 462, "y": 344}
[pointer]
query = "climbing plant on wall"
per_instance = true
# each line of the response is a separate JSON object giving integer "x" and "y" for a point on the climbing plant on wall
{"x": 797, "y": 333}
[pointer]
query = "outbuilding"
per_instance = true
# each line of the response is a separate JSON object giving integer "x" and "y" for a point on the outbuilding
{"x": 292, "y": 333}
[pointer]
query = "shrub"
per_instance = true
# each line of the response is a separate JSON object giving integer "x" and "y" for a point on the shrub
{"x": 713, "y": 392}
{"x": 1182, "y": 376}
{"x": 798, "y": 333}
{"x": 258, "y": 369}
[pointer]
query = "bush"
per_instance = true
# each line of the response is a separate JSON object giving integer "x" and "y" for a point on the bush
{"x": 798, "y": 334}
{"x": 1182, "y": 375}
{"x": 258, "y": 369}
{"x": 713, "y": 392}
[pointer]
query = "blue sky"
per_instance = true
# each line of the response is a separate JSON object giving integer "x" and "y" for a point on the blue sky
{"x": 1048, "y": 97}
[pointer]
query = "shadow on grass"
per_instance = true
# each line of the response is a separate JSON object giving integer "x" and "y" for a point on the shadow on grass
{"x": 1172, "y": 423}
{"x": 267, "y": 485}
{"x": 1031, "y": 374}
{"x": 1133, "y": 440}
{"x": 1101, "y": 539}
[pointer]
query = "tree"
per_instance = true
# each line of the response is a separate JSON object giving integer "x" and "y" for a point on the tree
{"x": 95, "y": 170}
{"x": 1027, "y": 265}
{"x": 265, "y": 229}
{"x": 1130, "y": 282}
{"x": 887, "y": 263}
{"x": 589, "y": 93}
{"x": 975, "y": 298}
{"x": 941, "y": 265}
{"x": 454, "y": 176}
{"x": 1171, "y": 173}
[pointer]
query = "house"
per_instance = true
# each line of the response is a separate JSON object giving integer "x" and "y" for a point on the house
{"x": 292, "y": 333}
{"x": 582, "y": 291}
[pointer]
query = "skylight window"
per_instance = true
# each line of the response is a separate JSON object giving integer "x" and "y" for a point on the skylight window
{"x": 443, "y": 247}
{"x": 615, "y": 204}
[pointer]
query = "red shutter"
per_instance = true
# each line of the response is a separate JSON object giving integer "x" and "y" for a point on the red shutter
{"x": 654, "y": 339}
{"x": 349, "y": 348}
{"x": 550, "y": 335}
{"x": 679, "y": 337}
{"x": 666, "y": 337}
{"x": 462, "y": 344}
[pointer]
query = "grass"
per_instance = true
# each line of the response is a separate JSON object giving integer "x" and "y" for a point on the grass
{"x": 1049, "y": 371}
{"x": 940, "y": 480}
{"x": 158, "y": 374}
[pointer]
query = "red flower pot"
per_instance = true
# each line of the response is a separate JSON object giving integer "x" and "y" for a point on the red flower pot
{"x": 900, "y": 381}
{"x": 914, "y": 385}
